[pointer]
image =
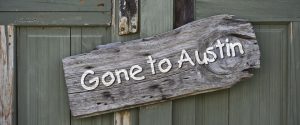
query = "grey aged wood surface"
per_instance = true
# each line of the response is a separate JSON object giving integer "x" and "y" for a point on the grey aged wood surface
{"x": 188, "y": 80}
{"x": 7, "y": 74}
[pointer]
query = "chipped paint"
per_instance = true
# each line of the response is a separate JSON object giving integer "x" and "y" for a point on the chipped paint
{"x": 128, "y": 17}
{"x": 122, "y": 118}
{"x": 123, "y": 26}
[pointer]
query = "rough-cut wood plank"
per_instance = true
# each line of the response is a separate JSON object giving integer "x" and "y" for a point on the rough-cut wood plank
{"x": 7, "y": 74}
{"x": 188, "y": 80}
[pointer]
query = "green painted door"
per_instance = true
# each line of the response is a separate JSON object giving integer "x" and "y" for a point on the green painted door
{"x": 42, "y": 97}
{"x": 41, "y": 93}
{"x": 271, "y": 97}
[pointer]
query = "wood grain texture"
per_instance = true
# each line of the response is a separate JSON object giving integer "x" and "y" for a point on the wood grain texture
{"x": 42, "y": 99}
{"x": 212, "y": 108}
{"x": 254, "y": 10}
{"x": 188, "y": 80}
{"x": 184, "y": 12}
{"x": 115, "y": 37}
{"x": 184, "y": 111}
{"x": 158, "y": 20}
{"x": 262, "y": 99}
{"x": 293, "y": 112}
{"x": 55, "y": 5}
{"x": 84, "y": 39}
{"x": 56, "y": 18}
{"x": 156, "y": 114}
{"x": 7, "y": 75}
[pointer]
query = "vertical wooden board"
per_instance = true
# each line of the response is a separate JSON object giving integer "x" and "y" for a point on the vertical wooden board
{"x": 212, "y": 108}
{"x": 75, "y": 33}
{"x": 42, "y": 97}
{"x": 255, "y": 10}
{"x": 93, "y": 36}
{"x": 293, "y": 75}
{"x": 115, "y": 37}
{"x": 157, "y": 114}
{"x": 7, "y": 75}
{"x": 106, "y": 119}
{"x": 21, "y": 48}
{"x": 156, "y": 17}
{"x": 262, "y": 99}
{"x": 55, "y": 5}
{"x": 183, "y": 12}
{"x": 85, "y": 39}
{"x": 184, "y": 111}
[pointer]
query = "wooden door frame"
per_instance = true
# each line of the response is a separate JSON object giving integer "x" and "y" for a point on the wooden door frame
{"x": 7, "y": 75}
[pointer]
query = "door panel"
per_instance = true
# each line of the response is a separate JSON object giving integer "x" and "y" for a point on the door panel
{"x": 85, "y": 39}
{"x": 270, "y": 96}
{"x": 41, "y": 91}
{"x": 293, "y": 76}
{"x": 42, "y": 95}
{"x": 261, "y": 100}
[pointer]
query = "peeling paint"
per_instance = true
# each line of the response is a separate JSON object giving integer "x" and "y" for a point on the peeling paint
{"x": 128, "y": 17}
{"x": 122, "y": 118}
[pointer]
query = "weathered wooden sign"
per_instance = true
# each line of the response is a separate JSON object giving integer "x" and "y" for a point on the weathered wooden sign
{"x": 205, "y": 55}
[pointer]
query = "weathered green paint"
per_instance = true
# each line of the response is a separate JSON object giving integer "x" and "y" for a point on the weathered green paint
{"x": 154, "y": 21}
{"x": 85, "y": 39}
{"x": 115, "y": 37}
{"x": 55, "y": 18}
{"x": 55, "y": 12}
{"x": 184, "y": 111}
{"x": 55, "y": 5}
{"x": 293, "y": 88}
{"x": 156, "y": 17}
{"x": 214, "y": 109}
{"x": 254, "y": 10}
{"x": 157, "y": 114}
{"x": 262, "y": 100}
{"x": 41, "y": 91}
{"x": 269, "y": 98}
